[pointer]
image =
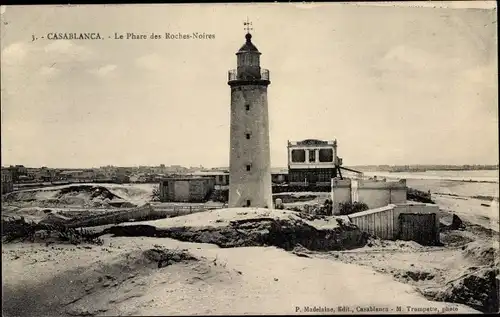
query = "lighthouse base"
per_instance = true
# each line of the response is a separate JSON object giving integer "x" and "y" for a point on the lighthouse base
{"x": 251, "y": 195}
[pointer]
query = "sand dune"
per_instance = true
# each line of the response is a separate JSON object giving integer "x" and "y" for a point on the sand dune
{"x": 116, "y": 279}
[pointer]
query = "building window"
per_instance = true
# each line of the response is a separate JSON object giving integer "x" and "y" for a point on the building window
{"x": 326, "y": 155}
{"x": 324, "y": 176}
{"x": 312, "y": 156}
{"x": 248, "y": 167}
{"x": 247, "y": 107}
{"x": 248, "y": 202}
{"x": 247, "y": 135}
{"x": 298, "y": 156}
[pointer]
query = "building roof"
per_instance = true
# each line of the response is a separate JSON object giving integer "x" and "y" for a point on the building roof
{"x": 312, "y": 142}
{"x": 248, "y": 46}
{"x": 71, "y": 172}
{"x": 210, "y": 173}
{"x": 279, "y": 170}
{"x": 186, "y": 178}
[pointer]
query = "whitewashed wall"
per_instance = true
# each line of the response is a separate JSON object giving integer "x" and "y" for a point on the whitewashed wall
{"x": 375, "y": 193}
{"x": 252, "y": 185}
{"x": 341, "y": 193}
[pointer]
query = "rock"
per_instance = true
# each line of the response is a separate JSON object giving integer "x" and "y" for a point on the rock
{"x": 166, "y": 257}
{"x": 456, "y": 223}
{"x": 481, "y": 253}
{"x": 419, "y": 196}
{"x": 477, "y": 289}
{"x": 418, "y": 275}
{"x": 265, "y": 231}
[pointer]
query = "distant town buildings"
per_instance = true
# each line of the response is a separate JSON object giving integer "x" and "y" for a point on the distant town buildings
{"x": 423, "y": 168}
{"x": 7, "y": 181}
{"x": 27, "y": 176}
{"x": 17, "y": 172}
{"x": 304, "y": 168}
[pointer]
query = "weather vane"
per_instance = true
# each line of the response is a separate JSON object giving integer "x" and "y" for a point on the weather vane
{"x": 247, "y": 25}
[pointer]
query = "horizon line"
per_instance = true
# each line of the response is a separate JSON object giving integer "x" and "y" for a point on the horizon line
{"x": 273, "y": 167}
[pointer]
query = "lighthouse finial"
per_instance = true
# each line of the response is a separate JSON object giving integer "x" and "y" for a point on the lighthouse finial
{"x": 247, "y": 25}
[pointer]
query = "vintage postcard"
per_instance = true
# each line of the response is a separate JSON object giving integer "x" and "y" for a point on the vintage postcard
{"x": 230, "y": 159}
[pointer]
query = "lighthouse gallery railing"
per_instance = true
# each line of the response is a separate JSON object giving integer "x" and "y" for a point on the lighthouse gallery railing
{"x": 233, "y": 74}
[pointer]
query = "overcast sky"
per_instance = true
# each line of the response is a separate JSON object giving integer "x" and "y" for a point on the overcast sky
{"x": 393, "y": 84}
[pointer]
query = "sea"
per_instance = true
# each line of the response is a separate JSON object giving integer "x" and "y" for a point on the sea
{"x": 487, "y": 176}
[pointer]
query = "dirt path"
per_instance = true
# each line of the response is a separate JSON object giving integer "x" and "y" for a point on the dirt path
{"x": 432, "y": 270}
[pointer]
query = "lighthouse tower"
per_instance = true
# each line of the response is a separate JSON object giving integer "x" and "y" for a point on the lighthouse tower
{"x": 250, "y": 158}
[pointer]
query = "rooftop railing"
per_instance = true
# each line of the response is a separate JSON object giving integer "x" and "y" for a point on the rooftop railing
{"x": 264, "y": 74}
{"x": 234, "y": 75}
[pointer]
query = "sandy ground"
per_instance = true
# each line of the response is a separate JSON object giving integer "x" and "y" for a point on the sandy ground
{"x": 36, "y": 204}
{"x": 471, "y": 210}
{"x": 464, "y": 189}
{"x": 222, "y": 217}
{"x": 115, "y": 279}
{"x": 458, "y": 197}
{"x": 427, "y": 268}
{"x": 136, "y": 194}
{"x": 319, "y": 199}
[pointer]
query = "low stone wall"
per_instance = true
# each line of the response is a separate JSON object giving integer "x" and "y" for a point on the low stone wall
{"x": 114, "y": 217}
{"x": 145, "y": 212}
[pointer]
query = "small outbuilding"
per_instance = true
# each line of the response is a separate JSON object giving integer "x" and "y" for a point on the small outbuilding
{"x": 411, "y": 221}
{"x": 221, "y": 178}
{"x": 186, "y": 189}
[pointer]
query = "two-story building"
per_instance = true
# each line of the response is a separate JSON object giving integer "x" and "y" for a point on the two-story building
{"x": 312, "y": 162}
